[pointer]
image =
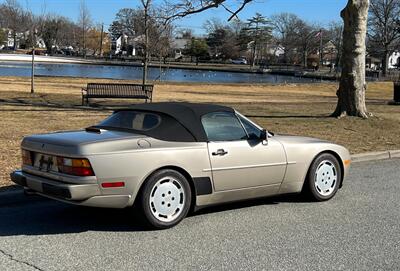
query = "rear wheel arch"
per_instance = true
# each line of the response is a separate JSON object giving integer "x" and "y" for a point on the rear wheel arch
{"x": 177, "y": 169}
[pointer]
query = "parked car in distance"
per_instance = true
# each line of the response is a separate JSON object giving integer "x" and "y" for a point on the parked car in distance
{"x": 170, "y": 158}
{"x": 241, "y": 61}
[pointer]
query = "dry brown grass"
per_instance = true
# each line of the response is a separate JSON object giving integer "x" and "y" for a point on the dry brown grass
{"x": 301, "y": 109}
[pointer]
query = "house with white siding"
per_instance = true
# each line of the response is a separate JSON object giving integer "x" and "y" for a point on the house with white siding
{"x": 394, "y": 60}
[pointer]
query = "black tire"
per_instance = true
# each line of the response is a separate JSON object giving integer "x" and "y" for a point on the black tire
{"x": 149, "y": 192}
{"x": 312, "y": 189}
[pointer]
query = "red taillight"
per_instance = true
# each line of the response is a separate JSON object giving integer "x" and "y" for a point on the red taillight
{"x": 72, "y": 166}
{"x": 115, "y": 184}
{"x": 26, "y": 157}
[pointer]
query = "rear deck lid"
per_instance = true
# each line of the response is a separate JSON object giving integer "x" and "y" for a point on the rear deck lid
{"x": 80, "y": 142}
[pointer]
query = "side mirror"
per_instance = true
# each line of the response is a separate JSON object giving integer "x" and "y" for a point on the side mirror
{"x": 264, "y": 135}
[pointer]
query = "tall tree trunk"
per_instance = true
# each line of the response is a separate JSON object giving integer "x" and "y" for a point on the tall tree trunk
{"x": 253, "y": 55}
{"x": 15, "y": 39}
{"x": 84, "y": 42}
{"x": 351, "y": 93}
{"x": 385, "y": 61}
{"x": 305, "y": 56}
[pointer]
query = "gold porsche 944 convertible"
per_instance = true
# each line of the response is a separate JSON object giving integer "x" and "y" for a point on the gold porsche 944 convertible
{"x": 170, "y": 158}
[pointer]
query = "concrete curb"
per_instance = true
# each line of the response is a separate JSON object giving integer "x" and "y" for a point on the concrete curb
{"x": 17, "y": 196}
{"x": 374, "y": 156}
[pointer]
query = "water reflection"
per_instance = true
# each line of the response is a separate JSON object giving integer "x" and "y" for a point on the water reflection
{"x": 130, "y": 72}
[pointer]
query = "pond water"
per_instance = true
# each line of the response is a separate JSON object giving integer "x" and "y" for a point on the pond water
{"x": 131, "y": 72}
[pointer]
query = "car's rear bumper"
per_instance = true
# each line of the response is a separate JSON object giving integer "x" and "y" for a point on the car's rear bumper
{"x": 79, "y": 194}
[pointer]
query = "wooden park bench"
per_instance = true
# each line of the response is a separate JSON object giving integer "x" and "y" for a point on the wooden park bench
{"x": 125, "y": 91}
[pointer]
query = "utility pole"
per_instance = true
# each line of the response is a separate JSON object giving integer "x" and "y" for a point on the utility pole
{"x": 84, "y": 41}
{"x": 101, "y": 40}
{"x": 320, "y": 49}
{"x": 111, "y": 41}
{"x": 146, "y": 5}
{"x": 33, "y": 61}
{"x": 33, "y": 71}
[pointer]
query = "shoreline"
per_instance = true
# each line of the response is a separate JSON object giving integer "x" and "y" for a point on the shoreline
{"x": 69, "y": 60}
{"x": 164, "y": 82}
{"x": 231, "y": 68}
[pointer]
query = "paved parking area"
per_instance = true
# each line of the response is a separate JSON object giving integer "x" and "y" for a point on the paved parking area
{"x": 357, "y": 230}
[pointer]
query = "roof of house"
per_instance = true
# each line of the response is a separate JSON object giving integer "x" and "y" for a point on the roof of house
{"x": 180, "y": 43}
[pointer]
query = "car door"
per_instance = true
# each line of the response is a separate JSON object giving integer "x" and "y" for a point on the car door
{"x": 239, "y": 159}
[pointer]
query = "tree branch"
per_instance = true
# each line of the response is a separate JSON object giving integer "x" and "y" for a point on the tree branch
{"x": 245, "y": 2}
{"x": 186, "y": 8}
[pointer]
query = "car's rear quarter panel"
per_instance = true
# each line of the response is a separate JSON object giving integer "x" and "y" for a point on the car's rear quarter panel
{"x": 134, "y": 166}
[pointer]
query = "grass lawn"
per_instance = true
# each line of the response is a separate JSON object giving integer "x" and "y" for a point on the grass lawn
{"x": 301, "y": 109}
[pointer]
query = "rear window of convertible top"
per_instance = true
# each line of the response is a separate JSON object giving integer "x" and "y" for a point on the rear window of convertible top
{"x": 153, "y": 124}
{"x": 135, "y": 120}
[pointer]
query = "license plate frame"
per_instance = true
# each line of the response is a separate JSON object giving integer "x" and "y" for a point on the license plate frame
{"x": 45, "y": 162}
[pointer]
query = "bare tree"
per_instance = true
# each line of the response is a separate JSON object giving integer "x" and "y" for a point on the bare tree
{"x": 3, "y": 37}
{"x": 351, "y": 93}
{"x": 185, "y": 33}
{"x": 306, "y": 38}
{"x": 213, "y": 24}
{"x": 237, "y": 25}
{"x": 286, "y": 28}
{"x": 85, "y": 22}
{"x": 155, "y": 34}
{"x": 383, "y": 32}
{"x": 221, "y": 39}
{"x": 128, "y": 21}
{"x": 335, "y": 33}
{"x": 49, "y": 30}
{"x": 13, "y": 17}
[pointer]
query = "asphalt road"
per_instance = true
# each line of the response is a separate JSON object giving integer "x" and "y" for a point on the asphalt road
{"x": 357, "y": 230}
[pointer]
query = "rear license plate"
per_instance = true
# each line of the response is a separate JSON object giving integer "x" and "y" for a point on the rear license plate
{"x": 45, "y": 162}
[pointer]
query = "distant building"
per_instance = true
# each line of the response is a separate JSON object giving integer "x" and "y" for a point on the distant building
{"x": 178, "y": 47}
{"x": 10, "y": 39}
{"x": 373, "y": 63}
{"x": 276, "y": 50}
{"x": 21, "y": 39}
{"x": 394, "y": 60}
{"x": 40, "y": 43}
{"x": 329, "y": 53}
{"x": 116, "y": 45}
{"x": 126, "y": 45}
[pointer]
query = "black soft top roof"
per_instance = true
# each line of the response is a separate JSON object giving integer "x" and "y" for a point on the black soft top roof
{"x": 187, "y": 114}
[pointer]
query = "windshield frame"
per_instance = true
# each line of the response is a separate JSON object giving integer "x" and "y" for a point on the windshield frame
{"x": 253, "y": 123}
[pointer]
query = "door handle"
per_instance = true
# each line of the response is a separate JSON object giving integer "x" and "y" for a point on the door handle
{"x": 220, "y": 152}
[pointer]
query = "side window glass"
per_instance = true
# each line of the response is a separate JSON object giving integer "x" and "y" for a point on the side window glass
{"x": 251, "y": 129}
{"x": 223, "y": 126}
